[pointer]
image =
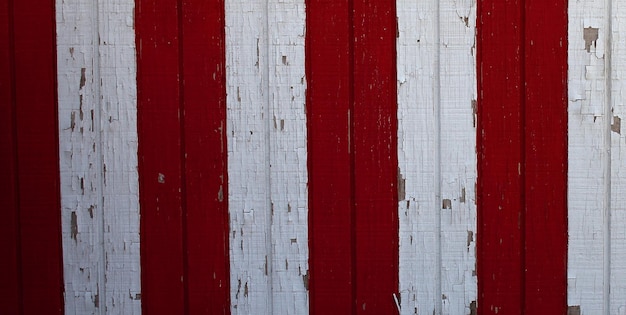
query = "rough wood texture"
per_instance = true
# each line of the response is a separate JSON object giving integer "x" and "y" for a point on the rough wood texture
{"x": 267, "y": 156}
{"x": 351, "y": 107}
{"x": 98, "y": 156}
{"x": 596, "y": 267}
{"x": 31, "y": 225}
{"x": 522, "y": 157}
{"x": 181, "y": 123}
{"x": 436, "y": 152}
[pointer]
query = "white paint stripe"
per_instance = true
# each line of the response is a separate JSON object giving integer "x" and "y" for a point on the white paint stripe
{"x": 587, "y": 191}
{"x": 617, "y": 67}
{"x": 98, "y": 156}
{"x": 267, "y": 156}
{"x": 436, "y": 143}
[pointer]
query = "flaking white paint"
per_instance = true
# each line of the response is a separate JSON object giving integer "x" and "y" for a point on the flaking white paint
{"x": 597, "y": 239}
{"x": 267, "y": 156}
{"x": 436, "y": 156}
{"x": 98, "y": 156}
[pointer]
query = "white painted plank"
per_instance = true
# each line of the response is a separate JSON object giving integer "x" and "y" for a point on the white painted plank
{"x": 267, "y": 156}
{"x": 457, "y": 145}
{"x": 436, "y": 93}
{"x": 98, "y": 156}
{"x": 588, "y": 162}
{"x": 617, "y": 171}
{"x": 419, "y": 202}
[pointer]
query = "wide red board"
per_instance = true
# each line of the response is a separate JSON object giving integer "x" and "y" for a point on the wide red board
{"x": 182, "y": 157}
{"x": 352, "y": 156}
{"x": 522, "y": 157}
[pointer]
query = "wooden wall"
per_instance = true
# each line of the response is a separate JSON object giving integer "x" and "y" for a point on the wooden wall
{"x": 311, "y": 156}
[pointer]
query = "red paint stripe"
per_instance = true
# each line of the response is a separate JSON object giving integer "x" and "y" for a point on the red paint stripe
{"x": 352, "y": 126}
{"x": 375, "y": 156}
{"x": 182, "y": 114}
{"x": 522, "y": 157}
{"x": 10, "y": 287}
{"x": 160, "y": 176}
{"x": 546, "y": 157}
{"x": 30, "y": 148}
{"x": 206, "y": 170}
{"x": 329, "y": 98}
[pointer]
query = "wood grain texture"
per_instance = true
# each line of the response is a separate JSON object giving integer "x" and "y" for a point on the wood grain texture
{"x": 267, "y": 156}
{"x": 351, "y": 108}
{"x": 98, "y": 156}
{"x": 30, "y": 195}
{"x": 522, "y": 157}
{"x": 436, "y": 152}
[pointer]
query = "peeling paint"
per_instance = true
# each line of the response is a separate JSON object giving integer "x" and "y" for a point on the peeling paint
{"x": 616, "y": 126}
{"x": 590, "y": 35}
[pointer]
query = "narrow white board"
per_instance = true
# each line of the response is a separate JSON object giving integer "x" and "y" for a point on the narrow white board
{"x": 267, "y": 156}
{"x": 436, "y": 155}
{"x": 589, "y": 157}
{"x": 98, "y": 156}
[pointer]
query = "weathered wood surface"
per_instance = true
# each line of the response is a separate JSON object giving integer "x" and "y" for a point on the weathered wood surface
{"x": 267, "y": 157}
{"x": 596, "y": 265}
{"x": 436, "y": 152}
{"x": 98, "y": 156}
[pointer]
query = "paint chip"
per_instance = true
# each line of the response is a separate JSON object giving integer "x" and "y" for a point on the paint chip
{"x": 573, "y": 310}
{"x": 161, "y": 178}
{"x": 401, "y": 186}
{"x": 616, "y": 126}
{"x": 590, "y": 35}
{"x": 446, "y": 204}
{"x": 74, "y": 226}
{"x": 473, "y": 308}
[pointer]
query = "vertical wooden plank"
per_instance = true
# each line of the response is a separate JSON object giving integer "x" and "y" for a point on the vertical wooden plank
{"x": 98, "y": 158}
{"x": 119, "y": 142}
{"x": 588, "y": 151}
{"x": 436, "y": 99}
{"x": 375, "y": 163}
{"x": 81, "y": 162}
{"x": 419, "y": 204}
{"x": 615, "y": 71}
{"x": 248, "y": 93}
{"x": 37, "y": 152}
{"x": 457, "y": 155}
{"x": 329, "y": 97}
{"x": 287, "y": 156}
{"x": 545, "y": 156}
{"x": 353, "y": 159}
{"x": 10, "y": 288}
{"x": 160, "y": 167}
{"x": 204, "y": 138}
{"x": 500, "y": 157}
{"x": 267, "y": 156}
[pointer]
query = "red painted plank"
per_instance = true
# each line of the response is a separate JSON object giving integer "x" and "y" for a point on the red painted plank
{"x": 522, "y": 157}
{"x": 375, "y": 169}
{"x": 32, "y": 155}
{"x": 10, "y": 287}
{"x": 500, "y": 158}
{"x": 182, "y": 149}
{"x": 205, "y": 150}
{"x": 352, "y": 126}
{"x": 329, "y": 98}
{"x": 160, "y": 165}
{"x": 546, "y": 157}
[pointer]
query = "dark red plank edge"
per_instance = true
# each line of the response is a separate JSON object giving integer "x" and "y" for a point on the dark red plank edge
{"x": 31, "y": 190}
